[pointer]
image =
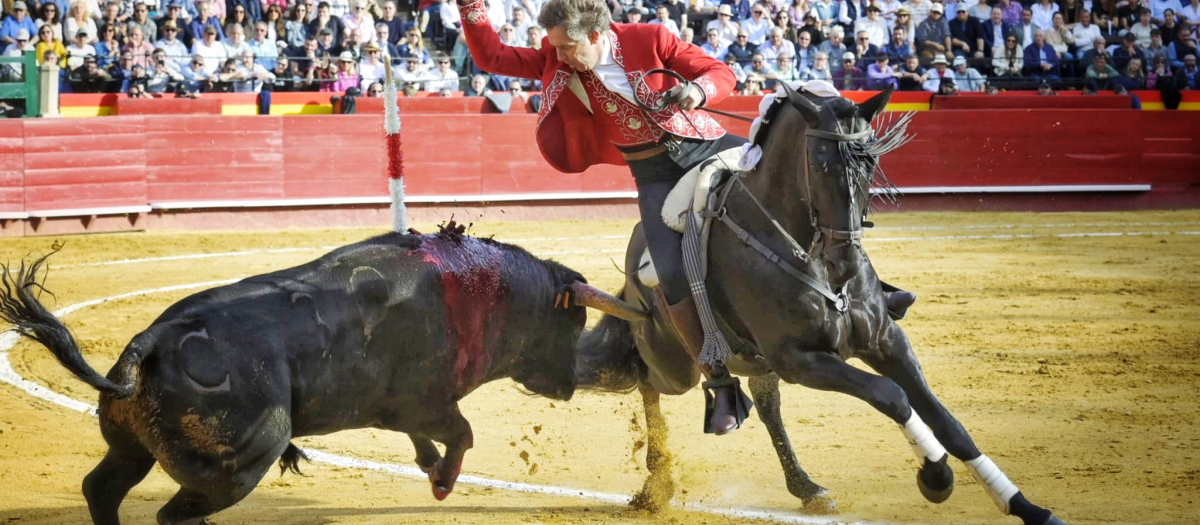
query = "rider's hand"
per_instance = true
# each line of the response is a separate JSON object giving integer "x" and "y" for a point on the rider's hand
{"x": 690, "y": 100}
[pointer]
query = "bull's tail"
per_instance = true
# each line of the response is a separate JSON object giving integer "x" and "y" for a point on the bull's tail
{"x": 19, "y": 306}
{"x": 608, "y": 357}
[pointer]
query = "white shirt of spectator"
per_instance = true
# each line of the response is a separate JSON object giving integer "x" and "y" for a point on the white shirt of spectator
{"x": 177, "y": 53}
{"x": 439, "y": 81}
{"x": 369, "y": 72}
{"x": 1158, "y": 7}
{"x": 75, "y": 54}
{"x": 1191, "y": 13}
{"x": 611, "y": 74}
{"x": 769, "y": 52}
{"x": 214, "y": 55}
{"x": 669, "y": 24}
{"x": 1043, "y": 16}
{"x": 877, "y": 31}
{"x": 756, "y": 32}
{"x": 521, "y": 29}
{"x": 417, "y": 77}
{"x": 728, "y": 31}
{"x": 935, "y": 82}
{"x": 1082, "y": 35}
{"x": 337, "y": 8}
{"x": 889, "y": 8}
{"x": 161, "y": 77}
{"x": 365, "y": 24}
{"x": 496, "y": 13}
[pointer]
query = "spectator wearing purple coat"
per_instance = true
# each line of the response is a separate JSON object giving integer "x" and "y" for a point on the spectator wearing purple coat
{"x": 849, "y": 77}
{"x": 880, "y": 75}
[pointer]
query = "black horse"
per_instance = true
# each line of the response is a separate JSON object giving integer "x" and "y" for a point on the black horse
{"x": 805, "y": 201}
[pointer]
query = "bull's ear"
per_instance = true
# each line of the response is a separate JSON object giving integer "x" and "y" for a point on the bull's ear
{"x": 874, "y": 106}
{"x": 806, "y": 107}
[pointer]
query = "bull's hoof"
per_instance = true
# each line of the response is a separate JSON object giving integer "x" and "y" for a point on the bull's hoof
{"x": 440, "y": 492}
{"x": 1054, "y": 521}
{"x": 936, "y": 480}
{"x": 820, "y": 502}
{"x": 443, "y": 482}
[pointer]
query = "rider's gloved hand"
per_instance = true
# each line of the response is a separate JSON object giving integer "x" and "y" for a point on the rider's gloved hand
{"x": 686, "y": 96}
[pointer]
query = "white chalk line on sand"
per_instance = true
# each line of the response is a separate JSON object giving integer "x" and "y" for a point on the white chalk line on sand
{"x": 8, "y": 375}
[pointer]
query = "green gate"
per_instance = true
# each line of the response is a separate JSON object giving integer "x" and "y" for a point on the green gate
{"x": 23, "y": 86}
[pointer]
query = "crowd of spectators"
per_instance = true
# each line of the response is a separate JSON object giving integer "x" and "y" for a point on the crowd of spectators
{"x": 145, "y": 47}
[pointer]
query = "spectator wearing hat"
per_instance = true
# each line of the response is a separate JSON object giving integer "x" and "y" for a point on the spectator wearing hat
{"x": 13, "y": 72}
{"x": 741, "y": 48}
{"x": 1026, "y": 28}
{"x": 874, "y": 25}
{"x": 176, "y": 51}
{"x": 898, "y": 48}
{"x": 724, "y": 24}
{"x": 636, "y": 15}
{"x": 199, "y": 24}
{"x": 264, "y": 49}
{"x": 1128, "y": 51}
{"x": 904, "y": 21}
{"x": 849, "y": 77}
{"x": 966, "y": 39}
{"x": 1043, "y": 12}
{"x": 910, "y": 75}
{"x": 933, "y": 82}
{"x": 757, "y": 25}
{"x": 933, "y": 35}
{"x": 18, "y": 20}
{"x": 172, "y": 12}
{"x": 819, "y": 70}
{"x": 213, "y": 51}
{"x": 371, "y": 67}
{"x": 327, "y": 43}
{"x": 713, "y": 46}
{"x": 880, "y": 75}
{"x": 79, "y": 50}
{"x": 1041, "y": 61}
{"x": 834, "y": 46}
{"x": 442, "y": 76}
{"x": 967, "y": 78}
{"x": 1045, "y": 89}
{"x": 326, "y": 20}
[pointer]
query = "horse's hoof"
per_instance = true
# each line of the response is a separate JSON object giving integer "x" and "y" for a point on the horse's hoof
{"x": 820, "y": 503}
{"x": 936, "y": 480}
{"x": 655, "y": 495}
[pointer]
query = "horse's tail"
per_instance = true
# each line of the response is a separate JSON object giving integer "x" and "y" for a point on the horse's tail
{"x": 608, "y": 357}
{"x": 19, "y": 306}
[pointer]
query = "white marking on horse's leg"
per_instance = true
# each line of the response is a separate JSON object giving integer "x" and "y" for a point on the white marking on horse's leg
{"x": 922, "y": 440}
{"x": 994, "y": 481}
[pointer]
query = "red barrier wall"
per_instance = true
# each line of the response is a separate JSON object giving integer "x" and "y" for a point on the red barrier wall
{"x": 50, "y": 164}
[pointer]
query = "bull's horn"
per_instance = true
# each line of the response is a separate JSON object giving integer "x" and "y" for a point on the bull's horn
{"x": 591, "y": 297}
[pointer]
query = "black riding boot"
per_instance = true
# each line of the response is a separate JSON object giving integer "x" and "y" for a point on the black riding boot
{"x": 897, "y": 300}
{"x": 727, "y": 406}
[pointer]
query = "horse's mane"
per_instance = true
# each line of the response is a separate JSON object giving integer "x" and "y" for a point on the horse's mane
{"x": 861, "y": 157}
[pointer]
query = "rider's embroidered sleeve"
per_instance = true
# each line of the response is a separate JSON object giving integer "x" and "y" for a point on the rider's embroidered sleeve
{"x": 713, "y": 77}
{"x": 489, "y": 53}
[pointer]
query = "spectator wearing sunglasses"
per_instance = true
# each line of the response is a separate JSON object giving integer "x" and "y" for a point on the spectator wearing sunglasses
{"x": 443, "y": 76}
{"x": 741, "y": 49}
{"x": 170, "y": 44}
{"x": 758, "y": 26}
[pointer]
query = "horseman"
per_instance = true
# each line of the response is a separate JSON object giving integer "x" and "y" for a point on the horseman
{"x": 595, "y": 88}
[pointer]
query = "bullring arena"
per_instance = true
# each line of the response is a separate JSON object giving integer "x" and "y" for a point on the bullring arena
{"x": 1056, "y": 316}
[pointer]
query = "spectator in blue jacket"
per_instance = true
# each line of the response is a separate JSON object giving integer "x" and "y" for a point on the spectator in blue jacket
{"x": 1041, "y": 62}
{"x": 18, "y": 20}
{"x": 204, "y": 18}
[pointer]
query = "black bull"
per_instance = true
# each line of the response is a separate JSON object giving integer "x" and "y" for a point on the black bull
{"x": 387, "y": 333}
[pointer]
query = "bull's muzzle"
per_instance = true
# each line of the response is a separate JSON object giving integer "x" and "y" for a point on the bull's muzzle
{"x": 590, "y": 297}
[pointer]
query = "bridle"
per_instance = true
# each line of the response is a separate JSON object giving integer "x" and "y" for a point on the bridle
{"x": 830, "y": 238}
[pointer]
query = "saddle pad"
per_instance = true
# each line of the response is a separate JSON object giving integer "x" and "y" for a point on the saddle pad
{"x": 692, "y": 190}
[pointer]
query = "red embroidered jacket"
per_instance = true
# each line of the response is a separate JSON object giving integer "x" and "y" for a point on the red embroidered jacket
{"x": 568, "y": 136}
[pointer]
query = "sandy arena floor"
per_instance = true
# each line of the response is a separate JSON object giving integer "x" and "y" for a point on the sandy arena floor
{"x": 1068, "y": 344}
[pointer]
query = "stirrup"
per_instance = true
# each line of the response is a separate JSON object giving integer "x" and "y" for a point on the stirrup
{"x": 741, "y": 403}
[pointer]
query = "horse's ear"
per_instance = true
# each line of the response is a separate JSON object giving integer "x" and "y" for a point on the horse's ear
{"x": 810, "y": 111}
{"x": 874, "y": 106}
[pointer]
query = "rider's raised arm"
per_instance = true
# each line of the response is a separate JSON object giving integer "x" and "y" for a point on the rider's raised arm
{"x": 710, "y": 75}
{"x": 489, "y": 53}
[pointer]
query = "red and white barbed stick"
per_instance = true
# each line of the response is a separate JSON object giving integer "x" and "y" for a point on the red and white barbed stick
{"x": 395, "y": 155}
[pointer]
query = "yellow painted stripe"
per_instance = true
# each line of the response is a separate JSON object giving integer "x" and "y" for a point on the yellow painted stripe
{"x": 908, "y": 106}
{"x": 1190, "y": 106}
{"x": 241, "y": 110}
{"x": 301, "y": 109}
{"x": 1153, "y": 106}
{"x": 87, "y": 111}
